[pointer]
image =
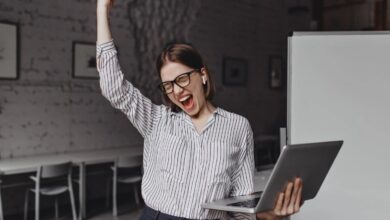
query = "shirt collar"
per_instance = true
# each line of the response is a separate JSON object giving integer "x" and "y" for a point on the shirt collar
{"x": 217, "y": 111}
{"x": 220, "y": 112}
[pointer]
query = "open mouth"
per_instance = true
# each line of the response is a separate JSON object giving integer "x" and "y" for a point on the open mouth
{"x": 187, "y": 102}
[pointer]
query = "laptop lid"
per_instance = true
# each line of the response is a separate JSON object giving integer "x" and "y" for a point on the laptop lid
{"x": 310, "y": 161}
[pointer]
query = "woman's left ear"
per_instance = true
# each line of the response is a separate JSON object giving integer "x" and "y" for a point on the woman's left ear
{"x": 204, "y": 74}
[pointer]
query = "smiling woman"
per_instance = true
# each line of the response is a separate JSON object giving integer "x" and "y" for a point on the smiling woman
{"x": 183, "y": 57}
{"x": 182, "y": 80}
{"x": 177, "y": 138}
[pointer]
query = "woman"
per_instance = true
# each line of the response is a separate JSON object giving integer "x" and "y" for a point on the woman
{"x": 194, "y": 152}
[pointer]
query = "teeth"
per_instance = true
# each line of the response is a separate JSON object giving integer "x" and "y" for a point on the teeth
{"x": 184, "y": 98}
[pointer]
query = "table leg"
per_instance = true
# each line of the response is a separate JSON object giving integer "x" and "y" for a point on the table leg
{"x": 1, "y": 206}
{"x": 82, "y": 192}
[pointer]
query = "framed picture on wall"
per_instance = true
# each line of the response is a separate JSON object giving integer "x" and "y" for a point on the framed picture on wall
{"x": 84, "y": 60}
{"x": 235, "y": 72}
{"x": 9, "y": 50}
{"x": 275, "y": 72}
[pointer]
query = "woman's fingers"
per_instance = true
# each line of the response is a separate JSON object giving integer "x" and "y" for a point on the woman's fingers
{"x": 289, "y": 201}
{"x": 287, "y": 197}
{"x": 279, "y": 205}
{"x": 294, "y": 196}
{"x": 297, "y": 204}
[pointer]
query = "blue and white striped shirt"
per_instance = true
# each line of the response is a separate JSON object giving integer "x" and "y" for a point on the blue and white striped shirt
{"x": 182, "y": 168}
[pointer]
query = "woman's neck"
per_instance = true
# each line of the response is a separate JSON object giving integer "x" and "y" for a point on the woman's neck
{"x": 205, "y": 112}
{"x": 199, "y": 120}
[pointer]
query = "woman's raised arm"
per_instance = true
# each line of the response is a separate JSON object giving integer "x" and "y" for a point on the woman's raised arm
{"x": 103, "y": 27}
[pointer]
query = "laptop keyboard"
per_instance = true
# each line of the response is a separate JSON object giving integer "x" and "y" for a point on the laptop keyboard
{"x": 247, "y": 204}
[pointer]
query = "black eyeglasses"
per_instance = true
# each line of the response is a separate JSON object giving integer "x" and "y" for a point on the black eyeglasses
{"x": 181, "y": 80}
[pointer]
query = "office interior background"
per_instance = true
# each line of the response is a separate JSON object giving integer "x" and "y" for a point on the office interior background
{"x": 48, "y": 108}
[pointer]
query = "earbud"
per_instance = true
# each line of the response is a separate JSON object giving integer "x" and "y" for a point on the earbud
{"x": 204, "y": 80}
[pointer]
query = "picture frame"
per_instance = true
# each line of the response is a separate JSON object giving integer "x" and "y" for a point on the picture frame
{"x": 235, "y": 71}
{"x": 9, "y": 50}
{"x": 275, "y": 72}
{"x": 84, "y": 60}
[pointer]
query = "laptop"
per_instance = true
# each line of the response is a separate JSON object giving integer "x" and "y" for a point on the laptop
{"x": 309, "y": 161}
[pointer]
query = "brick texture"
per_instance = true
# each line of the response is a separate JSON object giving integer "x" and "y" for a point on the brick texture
{"x": 48, "y": 111}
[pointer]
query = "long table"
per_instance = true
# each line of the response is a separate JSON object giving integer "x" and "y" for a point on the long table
{"x": 81, "y": 159}
{"x": 84, "y": 158}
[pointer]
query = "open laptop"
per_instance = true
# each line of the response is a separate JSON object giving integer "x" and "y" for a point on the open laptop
{"x": 310, "y": 161}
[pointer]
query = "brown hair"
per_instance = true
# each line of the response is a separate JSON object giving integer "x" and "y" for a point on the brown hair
{"x": 187, "y": 55}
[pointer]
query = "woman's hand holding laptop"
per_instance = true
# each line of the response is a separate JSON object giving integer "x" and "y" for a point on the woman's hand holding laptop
{"x": 287, "y": 203}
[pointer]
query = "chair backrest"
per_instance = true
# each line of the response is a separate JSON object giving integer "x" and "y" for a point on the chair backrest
{"x": 55, "y": 170}
{"x": 128, "y": 161}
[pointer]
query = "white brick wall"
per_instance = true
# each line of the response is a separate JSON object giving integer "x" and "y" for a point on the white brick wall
{"x": 48, "y": 111}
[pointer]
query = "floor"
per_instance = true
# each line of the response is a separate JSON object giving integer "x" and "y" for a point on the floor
{"x": 134, "y": 215}
{"x": 97, "y": 213}
{"x": 125, "y": 216}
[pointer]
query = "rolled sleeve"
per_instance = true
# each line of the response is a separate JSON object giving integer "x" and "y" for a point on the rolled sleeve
{"x": 103, "y": 47}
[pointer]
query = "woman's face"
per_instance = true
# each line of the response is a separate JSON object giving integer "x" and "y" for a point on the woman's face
{"x": 191, "y": 98}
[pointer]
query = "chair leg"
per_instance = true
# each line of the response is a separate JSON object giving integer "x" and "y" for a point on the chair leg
{"x": 72, "y": 202}
{"x": 108, "y": 193}
{"x": 114, "y": 197}
{"x": 56, "y": 208}
{"x": 1, "y": 205}
{"x": 37, "y": 194}
{"x": 1, "y": 209}
{"x": 80, "y": 194}
{"x": 26, "y": 205}
{"x": 136, "y": 195}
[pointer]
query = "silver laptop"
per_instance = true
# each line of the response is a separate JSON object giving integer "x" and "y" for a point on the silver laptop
{"x": 310, "y": 161}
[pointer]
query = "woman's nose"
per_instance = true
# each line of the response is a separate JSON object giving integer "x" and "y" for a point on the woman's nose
{"x": 177, "y": 89}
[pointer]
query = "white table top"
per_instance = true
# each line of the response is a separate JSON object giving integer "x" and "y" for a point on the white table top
{"x": 261, "y": 179}
{"x": 31, "y": 163}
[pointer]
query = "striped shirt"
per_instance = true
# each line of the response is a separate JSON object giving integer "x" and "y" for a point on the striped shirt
{"x": 182, "y": 168}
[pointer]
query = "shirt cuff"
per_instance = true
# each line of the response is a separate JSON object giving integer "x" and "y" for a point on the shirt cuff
{"x": 103, "y": 47}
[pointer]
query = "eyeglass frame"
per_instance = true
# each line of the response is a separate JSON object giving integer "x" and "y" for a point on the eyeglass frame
{"x": 172, "y": 82}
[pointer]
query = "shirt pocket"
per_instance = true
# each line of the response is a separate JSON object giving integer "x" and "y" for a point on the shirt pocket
{"x": 221, "y": 158}
{"x": 173, "y": 157}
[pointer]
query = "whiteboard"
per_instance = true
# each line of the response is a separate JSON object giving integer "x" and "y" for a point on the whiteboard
{"x": 339, "y": 88}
